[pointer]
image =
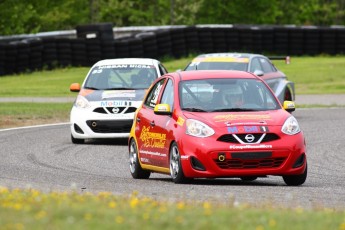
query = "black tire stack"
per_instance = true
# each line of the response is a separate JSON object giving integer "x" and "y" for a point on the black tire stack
{"x": 3, "y": 48}
{"x": 50, "y": 56}
{"x": 205, "y": 39}
{"x": 311, "y": 41}
{"x": 232, "y": 39}
{"x": 35, "y": 56}
{"x": 96, "y": 42}
{"x": 149, "y": 41}
{"x": 79, "y": 54}
{"x": 296, "y": 41}
{"x": 99, "y": 41}
{"x": 341, "y": 37}
{"x": 164, "y": 43}
{"x": 219, "y": 39}
{"x": 192, "y": 39}
{"x": 328, "y": 38}
{"x": 64, "y": 51}
{"x": 178, "y": 42}
{"x": 281, "y": 40}
{"x": 122, "y": 48}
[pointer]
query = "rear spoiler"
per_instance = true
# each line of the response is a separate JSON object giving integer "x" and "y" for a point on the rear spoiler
{"x": 286, "y": 58}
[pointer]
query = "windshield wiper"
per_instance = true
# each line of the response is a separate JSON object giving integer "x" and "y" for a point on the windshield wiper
{"x": 93, "y": 88}
{"x": 194, "y": 110}
{"x": 118, "y": 88}
{"x": 233, "y": 110}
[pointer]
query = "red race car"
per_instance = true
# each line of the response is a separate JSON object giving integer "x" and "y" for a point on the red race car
{"x": 216, "y": 123}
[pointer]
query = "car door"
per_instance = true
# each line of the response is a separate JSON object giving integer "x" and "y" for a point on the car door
{"x": 150, "y": 133}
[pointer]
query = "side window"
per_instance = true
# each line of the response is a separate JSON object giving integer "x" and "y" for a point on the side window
{"x": 168, "y": 94}
{"x": 266, "y": 65}
{"x": 152, "y": 97}
{"x": 162, "y": 69}
{"x": 255, "y": 65}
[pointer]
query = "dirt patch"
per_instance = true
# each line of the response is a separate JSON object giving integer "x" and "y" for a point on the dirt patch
{"x": 13, "y": 122}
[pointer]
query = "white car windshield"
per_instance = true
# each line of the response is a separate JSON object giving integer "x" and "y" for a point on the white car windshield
{"x": 121, "y": 76}
{"x": 226, "y": 95}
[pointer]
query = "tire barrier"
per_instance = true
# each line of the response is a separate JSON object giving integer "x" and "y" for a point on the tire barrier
{"x": 95, "y": 42}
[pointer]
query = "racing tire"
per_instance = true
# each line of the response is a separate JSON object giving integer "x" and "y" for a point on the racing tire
{"x": 77, "y": 140}
{"x": 134, "y": 165}
{"x": 296, "y": 180}
{"x": 176, "y": 170}
{"x": 249, "y": 178}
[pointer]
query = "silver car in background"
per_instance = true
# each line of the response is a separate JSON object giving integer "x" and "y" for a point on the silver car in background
{"x": 258, "y": 64}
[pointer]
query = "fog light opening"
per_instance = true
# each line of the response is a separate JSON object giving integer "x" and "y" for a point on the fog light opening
{"x": 299, "y": 162}
{"x": 221, "y": 157}
{"x": 196, "y": 164}
{"x": 94, "y": 124}
{"x": 77, "y": 129}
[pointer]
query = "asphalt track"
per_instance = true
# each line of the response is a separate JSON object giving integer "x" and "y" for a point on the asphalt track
{"x": 44, "y": 158}
{"x": 303, "y": 99}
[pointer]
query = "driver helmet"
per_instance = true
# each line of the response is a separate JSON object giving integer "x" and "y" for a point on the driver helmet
{"x": 233, "y": 95}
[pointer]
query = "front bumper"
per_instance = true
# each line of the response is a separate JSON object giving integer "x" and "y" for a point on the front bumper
{"x": 86, "y": 124}
{"x": 211, "y": 158}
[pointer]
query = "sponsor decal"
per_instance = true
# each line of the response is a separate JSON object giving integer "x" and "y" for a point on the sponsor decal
{"x": 155, "y": 95}
{"x": 152, "y": 139}
{"x": 230, "y": 117}
{"x": 121, "y": 66}
{"x": 153, "y": 153}
{"x": 118, "y": 93}
{"x": 184, "y": 157}
{"x": 180, "y": 121}
{"x": 142, "y": 159}
{"x": 261, "y": 146}
{"x": 115, "y": 103}
{"x": 247, "y": 129}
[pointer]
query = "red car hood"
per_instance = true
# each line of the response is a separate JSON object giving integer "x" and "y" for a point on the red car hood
{"x": 222, "y": 119}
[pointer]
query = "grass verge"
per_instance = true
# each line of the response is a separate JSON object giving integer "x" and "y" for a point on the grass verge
{"x": 31, "y": 209}
{"x": 312, "y": 75}
{"x": 19, "y": 114}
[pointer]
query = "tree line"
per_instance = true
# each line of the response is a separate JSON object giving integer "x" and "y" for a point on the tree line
{"x": 33, "y": 16}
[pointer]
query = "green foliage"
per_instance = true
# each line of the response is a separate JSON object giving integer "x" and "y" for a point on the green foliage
{"x": 32, "y": 16}
{"x": 239, "y": 12}
{"x": 312, "y": 12}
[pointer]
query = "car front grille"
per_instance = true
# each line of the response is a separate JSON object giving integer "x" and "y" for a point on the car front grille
{"x": 114, "y": 110}
{"x": 230, "y": 138}
{"x": 110, "y": 126}
{"x": 273, "y": 162}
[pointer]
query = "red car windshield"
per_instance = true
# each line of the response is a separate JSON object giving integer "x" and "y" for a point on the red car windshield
{"x": 224, "y": 95}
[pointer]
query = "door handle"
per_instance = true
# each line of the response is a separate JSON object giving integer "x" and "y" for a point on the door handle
{"x": 152, "y": 123}
{"x": 138, "y": 119}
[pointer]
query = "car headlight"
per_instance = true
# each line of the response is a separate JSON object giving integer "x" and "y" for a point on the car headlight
{"x": 198, "y": 129}
{"x": 82, "y": 102}
{"x": 291, "y": 126}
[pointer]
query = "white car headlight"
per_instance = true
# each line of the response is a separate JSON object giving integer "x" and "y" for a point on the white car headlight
{"x": 291, "y": 126}
{"x": 82, "y": 102}
{"x": 198, "y": 129}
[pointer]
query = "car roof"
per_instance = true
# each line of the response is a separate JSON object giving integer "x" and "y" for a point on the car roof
{"x": 229, "y": 54}
{"x": 202, "y": 74}
{"x": 143, "y": 61}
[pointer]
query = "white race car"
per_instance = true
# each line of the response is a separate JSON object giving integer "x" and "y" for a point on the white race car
{"x": 111, "y": 92}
